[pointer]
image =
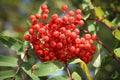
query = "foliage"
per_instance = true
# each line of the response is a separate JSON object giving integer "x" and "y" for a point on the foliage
{"x": 100, "y": 19}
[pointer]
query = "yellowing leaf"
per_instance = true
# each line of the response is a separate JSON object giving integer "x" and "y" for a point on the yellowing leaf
{"x": 99, "y": 12}
{"x": 83, "y": 67}
{"x": 117, "y": 52}
{"x": 116, "y": 33}
{"x": 86, "y": 70}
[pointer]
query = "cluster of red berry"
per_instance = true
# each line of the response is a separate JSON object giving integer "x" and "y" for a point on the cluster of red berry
{"x": 59, "y": 39}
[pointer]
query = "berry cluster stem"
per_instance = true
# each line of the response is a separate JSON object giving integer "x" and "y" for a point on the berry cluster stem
{"x": 19, "y": 67}
{"x": 111, "y": 53}
{"x": 69, "y": 74}
{"x": 101, "y": 21}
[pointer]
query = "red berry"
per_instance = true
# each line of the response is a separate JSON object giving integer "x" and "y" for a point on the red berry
{"x": 31, "y": 31}
{"x": 77, "y": 40}
{"x": 76, "y": 31}
{"x": 81, "y": 23}
{"x": 78, "y": 11}
{"x": 64, "y": 7}
{"x": 46, "y": 38}
{"x": 32, "y": 17}
{"x": 53, "y": 44}
{"x": 43, "y": 7}
{"x": 94, "y": 37}
{"x": 38, "y": 16}
{"x": 59, "y": 45}
{"x": 56, "y": 34}
{"x": 44, "y": 16}
{"x": 40, "y": 53}
{"x": 78, "y": 17}
{"x": 27, "y": 37}
{"x": 47, "y": 58}
{"x": 72, "y": 49}
{"x": 46, "y": 11}
{"x": 87, "y": 36}
{"x": 71, "y": 13}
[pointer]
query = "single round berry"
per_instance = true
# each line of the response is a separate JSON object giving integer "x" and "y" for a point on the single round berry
{"x": 44, "y": 16}
{"x": 64, "y": 7}
{"x": 71, "y": 13}
{"x": 32, "y": 17}
{"x": 27, "y": 37}
{"x": 38, "y": 16}
{"x": 31, "y": 31}
{"x": 78, "y": 11}
{"x": 46, "y": 11}
{"x": 72, "y": 49}
{"x": 87, "y": 36}
{"x": 94, "y": 37}
{"x": 43, "y": 7}
{"x": 81, "y": 23}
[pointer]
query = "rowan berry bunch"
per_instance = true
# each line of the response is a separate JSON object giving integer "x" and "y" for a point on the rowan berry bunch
{"x": 59, "y": 38}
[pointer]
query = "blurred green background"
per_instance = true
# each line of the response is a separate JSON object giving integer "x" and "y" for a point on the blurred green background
{"x": 15, "y": 13}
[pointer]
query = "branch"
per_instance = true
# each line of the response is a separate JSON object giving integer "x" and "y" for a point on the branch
{"x": 68, "y": 72}
{"x": 100, "y": 21}
{"x": 111, "y": 53}
{"x": 20, "y": 65}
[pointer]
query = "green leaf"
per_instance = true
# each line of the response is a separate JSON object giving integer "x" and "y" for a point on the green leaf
{"x": 47, "y": 68}
{"x": 8, "y": 61}
{"x": 116, "y": 33}
{"x": 12, "y": 43}
{"x": 59, "y": 78}
{"x": 91, "y": 28}
{"x": 6, "y": 74}
{"x": 89, "y": 3}
{"x": 83, "y": 66}
{"x": 117, "y": 52}
{"x": 76, "y": 76}
{"x": 117, "y": 20}
{"x": 99, "y": 12}
{"x": 27, "y": 68}
{"x": 97, "y": 57}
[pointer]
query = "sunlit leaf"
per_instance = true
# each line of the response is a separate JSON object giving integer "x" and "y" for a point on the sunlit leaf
{"x": 47, "y": 68}
{"x": 8, "y": 61}
{"x": 83, "y": 67}
{"x": 76, "y": 76}
{"x": 59, "y": 78}
{"x": 116, "y": 33}
{"x": 99, "y": 12}
{"x": 91, "y": 28}
{"x": 107, "y": 22}
{"x": 117, "y": 52}
{"x": 12, "y": 43}
{"x": 6, "y": 74}
{"x": 27, "y": 68}
{"x": 97, "y": 57}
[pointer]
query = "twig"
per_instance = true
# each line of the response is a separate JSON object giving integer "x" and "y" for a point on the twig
{"x": 19, "y": 66}
{"x": 100, "y": 21}
{"x": 68, "y": 72}
{"x": 111, "y": 53}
